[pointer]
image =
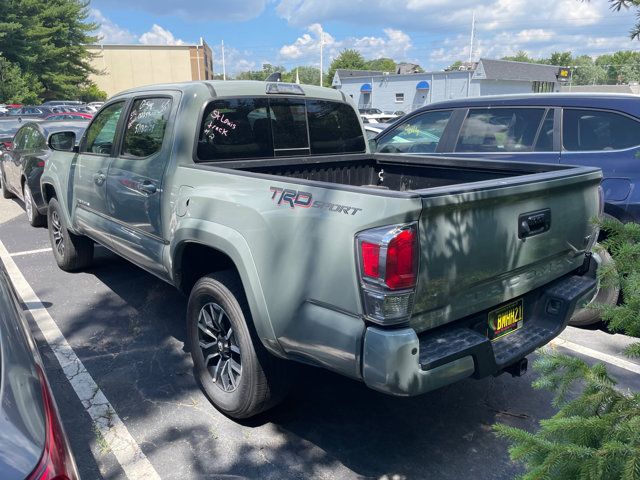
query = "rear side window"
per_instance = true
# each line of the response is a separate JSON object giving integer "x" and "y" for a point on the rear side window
{"x": 592, "y": 130}
{"x": 500, "y": 130}
{"x": 419, "y": 134}
{"x": 333, "y": 128}
{"x": 145, "y": 128}
{"x": 273, "y": 127}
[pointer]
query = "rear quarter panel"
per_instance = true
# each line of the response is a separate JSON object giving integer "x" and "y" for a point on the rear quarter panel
{"x": 297, "y": 263}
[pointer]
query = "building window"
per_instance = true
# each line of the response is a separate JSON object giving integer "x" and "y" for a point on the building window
{"x": 542, "y": 87}
{"x": 399, "y": 97}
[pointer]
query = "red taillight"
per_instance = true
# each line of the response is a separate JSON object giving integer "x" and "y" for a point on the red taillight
{"x": 56, "y": 462}
{"x": 401, "y": 261}
{"x": 389, "y": 256}
{"x": 40, "y": 163}
{"x": 370, "y": 259}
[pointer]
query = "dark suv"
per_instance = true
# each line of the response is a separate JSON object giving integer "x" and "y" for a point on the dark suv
{"x": 599, "y": 130}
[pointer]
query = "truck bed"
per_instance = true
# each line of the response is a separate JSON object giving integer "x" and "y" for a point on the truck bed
{"x": 398, "y": 173}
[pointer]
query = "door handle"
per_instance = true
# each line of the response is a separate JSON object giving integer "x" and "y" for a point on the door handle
{"x": 148, "y": 187}
{"x": 99, "y": 178}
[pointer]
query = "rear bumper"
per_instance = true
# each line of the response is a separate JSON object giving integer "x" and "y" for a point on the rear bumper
{"x": 401, "y": 362}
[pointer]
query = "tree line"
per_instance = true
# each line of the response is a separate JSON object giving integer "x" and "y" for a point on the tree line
{"x": 347, "y": 59}
{"x": 621, "y": 67}
{"x": 43, "y": 51}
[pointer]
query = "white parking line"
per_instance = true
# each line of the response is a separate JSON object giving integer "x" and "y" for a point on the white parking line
{"x": 127, "y": 452}
{"x": 30, "y": 252}
{"x": 590, "y": 352}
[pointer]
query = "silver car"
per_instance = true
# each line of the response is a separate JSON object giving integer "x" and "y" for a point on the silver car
{"x": 33, "y": 444}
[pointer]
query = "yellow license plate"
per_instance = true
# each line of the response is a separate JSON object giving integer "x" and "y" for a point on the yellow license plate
{"x": 505, "y": 320}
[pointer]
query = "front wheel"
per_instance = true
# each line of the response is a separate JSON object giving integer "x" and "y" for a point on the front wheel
{"x": 72, "y": 252}
{"x": 238, "y": 375}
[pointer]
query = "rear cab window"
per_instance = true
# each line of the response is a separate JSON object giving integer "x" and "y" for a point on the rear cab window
{"x": 595, "y": 130}
{"x": 260, "y": 127}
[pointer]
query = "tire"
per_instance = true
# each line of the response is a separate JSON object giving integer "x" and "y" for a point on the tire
{"x": 253, "y": 380}
{"x": 36, "y": 219}
{"x": 6, "y": 193}
{"x": 72, "y": 252}
{"x": 604, "y": 296}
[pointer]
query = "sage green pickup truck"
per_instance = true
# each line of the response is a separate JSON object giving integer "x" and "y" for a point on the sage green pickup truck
{"x": 263, "y": 204}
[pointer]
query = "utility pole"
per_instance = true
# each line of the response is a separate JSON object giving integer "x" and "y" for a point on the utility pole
{"x": 224, "y": 67}
{"x": 473, "y": 32}
{"x": 321, "y": 48}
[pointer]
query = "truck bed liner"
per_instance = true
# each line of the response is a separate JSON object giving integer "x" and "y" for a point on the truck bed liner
{"x": 390, "y": 172}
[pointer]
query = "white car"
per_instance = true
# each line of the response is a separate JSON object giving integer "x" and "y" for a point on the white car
{"x": 378, "y": 118}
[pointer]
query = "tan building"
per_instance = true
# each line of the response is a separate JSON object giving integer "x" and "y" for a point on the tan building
{"x": 126, "y": 66}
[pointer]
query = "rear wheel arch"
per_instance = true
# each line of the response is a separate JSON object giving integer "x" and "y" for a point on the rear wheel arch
{"x": 193, "y": 260}
{"x": 48, "y": 192}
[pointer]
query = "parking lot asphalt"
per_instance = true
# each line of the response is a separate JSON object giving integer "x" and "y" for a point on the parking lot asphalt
{"x": 128, "y": 329}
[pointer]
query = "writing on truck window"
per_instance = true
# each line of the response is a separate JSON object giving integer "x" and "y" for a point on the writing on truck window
{"x": 270, "y": 127}
{"x": 218, "y": 124}
{"x": 146, "y": 124}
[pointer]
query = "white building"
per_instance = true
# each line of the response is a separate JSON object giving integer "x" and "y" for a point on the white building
{"x": 392, "y": 92}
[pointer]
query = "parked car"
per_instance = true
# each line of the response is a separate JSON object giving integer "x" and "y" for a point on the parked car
{"x": 372, "y": 130}
{"x": 21, "y": 166}
{"x": 33, "y": 443}
{"x": 598, "y": 130}
{"x": 381, "y": 118}
{"x": 31, "y": 111}
{"x": 370, "y": 111}
{"x": 69, "y": 116}
{"x": 262, "y": 202}
{"x": 52, "y": 103}
{"x": 8, "y": 128}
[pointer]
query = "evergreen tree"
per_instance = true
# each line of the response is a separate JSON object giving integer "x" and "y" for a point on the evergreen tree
{"x": 46, "y": 39}
{"x": 596, "y": 435}
{"x": 15, "y": 86}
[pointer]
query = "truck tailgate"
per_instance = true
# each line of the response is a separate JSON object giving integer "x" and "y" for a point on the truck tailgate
{"x": 488, "y": 242}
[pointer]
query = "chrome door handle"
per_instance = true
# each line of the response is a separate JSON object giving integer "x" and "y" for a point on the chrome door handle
{"x": 148, "y": 187}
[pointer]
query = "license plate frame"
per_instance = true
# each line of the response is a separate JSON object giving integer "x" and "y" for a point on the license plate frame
{"x": 505, "y": 320}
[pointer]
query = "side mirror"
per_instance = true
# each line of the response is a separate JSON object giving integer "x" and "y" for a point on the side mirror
{"x": 373, "y": 145}
{"x": 63, "y": 142}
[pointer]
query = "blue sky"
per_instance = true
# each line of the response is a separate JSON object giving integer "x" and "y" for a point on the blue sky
{"x": 432, "y": 33}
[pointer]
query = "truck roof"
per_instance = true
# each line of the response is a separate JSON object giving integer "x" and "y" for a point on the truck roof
{"x": 234, "y": 88}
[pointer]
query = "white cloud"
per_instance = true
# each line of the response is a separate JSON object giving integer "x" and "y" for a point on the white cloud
{"x": 395, "y": 44}
{"x": 109, "y": 32}
{"x": 236, "y": 61}
{"x": 159, "y": 36}
{"x": 437, "y": 31}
